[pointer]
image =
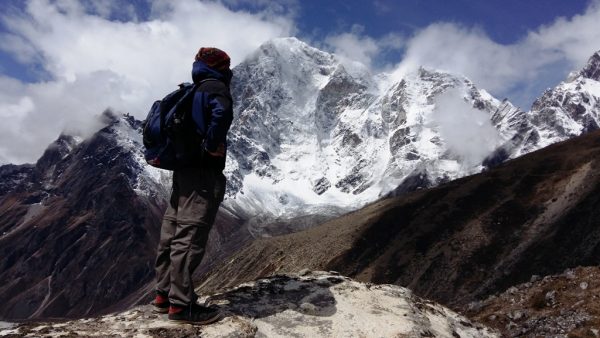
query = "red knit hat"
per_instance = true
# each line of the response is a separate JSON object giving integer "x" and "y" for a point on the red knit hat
{"x": 214, "y": 58}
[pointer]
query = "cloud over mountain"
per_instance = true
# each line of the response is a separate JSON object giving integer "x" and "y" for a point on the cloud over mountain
{"x": 542, "y": 58}
{"x": 89, "y": 60}
{"x": 89, "y": 55}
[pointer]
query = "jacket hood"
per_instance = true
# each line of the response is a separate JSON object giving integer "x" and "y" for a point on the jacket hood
{"x": 201, "y": 71}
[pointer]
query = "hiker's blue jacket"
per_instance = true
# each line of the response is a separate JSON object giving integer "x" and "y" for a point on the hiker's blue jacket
{"x": 212, "y": 109}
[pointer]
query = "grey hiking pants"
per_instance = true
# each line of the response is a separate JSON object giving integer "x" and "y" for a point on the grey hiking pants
{"x": 195, "y": 199}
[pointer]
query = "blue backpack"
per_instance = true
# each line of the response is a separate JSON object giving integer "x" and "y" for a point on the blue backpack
{"x": 165, "y": 127}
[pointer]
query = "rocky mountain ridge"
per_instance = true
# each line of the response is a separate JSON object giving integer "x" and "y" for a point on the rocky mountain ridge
{"x": 86, "y": 216}
{"x": 570, "y": 109}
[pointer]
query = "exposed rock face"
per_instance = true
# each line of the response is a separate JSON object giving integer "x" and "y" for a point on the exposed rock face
{"x": 312, "y": 305}
{"x": 459, "y": 242}
{"x": 592, "y": 69}
{"x": 12, "y": 177}
{"x": 570, "y": 109}
{"x": 564, "y": 305}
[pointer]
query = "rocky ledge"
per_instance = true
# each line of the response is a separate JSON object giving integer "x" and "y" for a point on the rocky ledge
{"x": 308, "y": 304}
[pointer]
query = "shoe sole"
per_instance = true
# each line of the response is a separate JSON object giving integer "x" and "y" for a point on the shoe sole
{"x": 204, "y": 322}
{"x": 161, "y": 310}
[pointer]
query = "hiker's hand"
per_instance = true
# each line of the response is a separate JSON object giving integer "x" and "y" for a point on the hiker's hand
{"x": 220, "y": 152}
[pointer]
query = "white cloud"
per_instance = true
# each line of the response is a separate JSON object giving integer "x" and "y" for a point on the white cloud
{"x": 467, "y": 132}
{"x": 23, "y": 51}
{"x": 356, "y": 46}
{"x": 91, "y": 62}
{"x": 518, "y": 71}
{"x": 94, "y": 63}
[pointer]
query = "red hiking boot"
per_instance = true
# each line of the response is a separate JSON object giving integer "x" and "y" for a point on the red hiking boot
{"x": 161, "y": 303}
{"x": 193, "y": 314}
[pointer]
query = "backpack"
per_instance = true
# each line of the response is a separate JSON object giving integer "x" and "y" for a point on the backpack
{"x": 165, "y": 134}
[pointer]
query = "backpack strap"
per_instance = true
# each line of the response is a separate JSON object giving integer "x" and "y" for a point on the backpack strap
{"x": 206, "y": 80}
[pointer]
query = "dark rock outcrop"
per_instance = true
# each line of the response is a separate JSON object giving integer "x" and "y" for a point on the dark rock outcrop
{"x": 13, "y": 177}
{"x": 592, "y": 69}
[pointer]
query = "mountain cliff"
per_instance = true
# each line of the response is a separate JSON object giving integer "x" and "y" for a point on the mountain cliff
{"x": 570, "y": 109}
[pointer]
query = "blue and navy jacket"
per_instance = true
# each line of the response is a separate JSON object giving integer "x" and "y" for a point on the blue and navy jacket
{"x": 212, "y": 109}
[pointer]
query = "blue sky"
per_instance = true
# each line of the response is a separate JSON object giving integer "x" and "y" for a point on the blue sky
{"x": 504, "y": 21}
{"x": 64, "y": 61}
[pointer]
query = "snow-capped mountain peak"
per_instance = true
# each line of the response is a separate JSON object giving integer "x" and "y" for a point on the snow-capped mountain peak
{"x": 568, "y": 110}
{"x": 592, "y": 69}
{"x": 313, "y": 133}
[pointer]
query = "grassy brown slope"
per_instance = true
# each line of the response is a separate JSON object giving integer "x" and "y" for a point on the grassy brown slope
{"x": 461, "y": 241}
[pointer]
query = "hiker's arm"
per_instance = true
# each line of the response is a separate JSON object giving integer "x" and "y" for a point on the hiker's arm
{"x": 221, "y": 116}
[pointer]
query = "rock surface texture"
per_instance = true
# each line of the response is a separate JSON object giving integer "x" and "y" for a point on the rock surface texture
{"x": 315, "y": 304}
{"x": 563, "y": 305}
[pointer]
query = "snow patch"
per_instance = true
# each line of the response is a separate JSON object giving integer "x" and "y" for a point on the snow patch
{"x": 149, "y": 179}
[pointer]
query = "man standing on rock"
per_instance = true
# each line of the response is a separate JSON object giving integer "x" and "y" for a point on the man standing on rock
{"x": 198, "y": 190}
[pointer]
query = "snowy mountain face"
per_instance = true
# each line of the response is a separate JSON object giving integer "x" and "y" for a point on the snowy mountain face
{"x": 570, "y": 109}
{"x": 315, "y": 135}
